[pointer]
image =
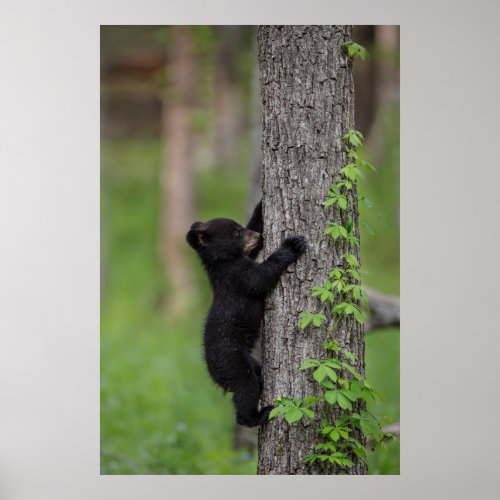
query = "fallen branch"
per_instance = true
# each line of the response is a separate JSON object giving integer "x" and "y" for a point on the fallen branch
{"x": 384, "y": 310}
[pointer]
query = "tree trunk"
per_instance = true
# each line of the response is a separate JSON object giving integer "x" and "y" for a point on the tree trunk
{"x": 387, "y": 91}
{"x": 227, "y": 98}
{"x": 365, "y": 80}
{"x": 177, "y": 173}
{"x": 307, "y": 93}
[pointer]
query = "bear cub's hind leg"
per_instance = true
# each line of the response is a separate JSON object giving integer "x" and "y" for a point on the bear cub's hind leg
{"x": 247, "y": 394}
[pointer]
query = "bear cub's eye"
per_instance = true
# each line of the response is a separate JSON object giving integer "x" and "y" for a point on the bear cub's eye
{"x": 237, "y": 233}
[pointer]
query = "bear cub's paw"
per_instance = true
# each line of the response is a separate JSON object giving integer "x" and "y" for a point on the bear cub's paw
{"x": 264, "y": 413}
{"x": 297, "y": 244}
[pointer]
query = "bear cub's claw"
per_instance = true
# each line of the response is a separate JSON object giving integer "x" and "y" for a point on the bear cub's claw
{"x": 264, "y": 413}
{"x": 297, "y": 244}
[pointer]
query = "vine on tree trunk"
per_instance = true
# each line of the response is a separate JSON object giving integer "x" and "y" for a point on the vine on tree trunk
{"x": 340, "y": 383}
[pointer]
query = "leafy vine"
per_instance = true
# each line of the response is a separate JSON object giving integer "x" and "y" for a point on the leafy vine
{"x": 341, "y": 385}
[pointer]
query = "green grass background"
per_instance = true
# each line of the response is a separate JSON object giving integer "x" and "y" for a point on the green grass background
{"x": 160, "y": 413}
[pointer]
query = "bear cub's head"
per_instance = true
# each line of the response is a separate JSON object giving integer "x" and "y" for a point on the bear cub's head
{"x": 223, "y": 239}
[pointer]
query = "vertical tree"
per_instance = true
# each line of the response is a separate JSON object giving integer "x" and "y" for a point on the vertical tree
{"x": 227, "y": 102}
{"x": 307, "y": 99}
{"x": 177, "y": 173}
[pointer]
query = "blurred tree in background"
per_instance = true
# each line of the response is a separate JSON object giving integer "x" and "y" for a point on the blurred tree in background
{"x": 177, "y": 179}
{"x": 179, "y": 107}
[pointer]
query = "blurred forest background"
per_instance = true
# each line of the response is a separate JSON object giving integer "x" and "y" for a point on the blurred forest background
{"x": 180, "y": 141}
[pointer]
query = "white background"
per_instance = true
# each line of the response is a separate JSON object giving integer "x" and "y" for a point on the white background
{"x": 49, "y": 252}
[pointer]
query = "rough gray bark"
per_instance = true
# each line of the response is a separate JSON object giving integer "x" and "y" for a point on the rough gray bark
{"x": 307, "y": 92}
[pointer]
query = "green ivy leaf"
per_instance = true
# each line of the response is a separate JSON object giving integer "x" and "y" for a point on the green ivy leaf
{"x": 350, "y": 356}
{"x": 294, "y": 415}
{"x": 305, "y": 318}
{"x": 343, "y": 402}
{"x": 309, "y": 363}
{"x": 333, "y": 363}
{"x": 356, "y": 50}
{"x": 328, "y": 384}
{"x": 320, "y": 373}
{"x": 332, "y": 346}
{"x": 308, "y": 413}
{"x": 330, "y": 373}
{"x": 334, "y": 435}
{"x": 279, "y": 410}
{"x": 331, "y": 397}
{"x": 317, "y": 321}
{"x": 349, "y": 395}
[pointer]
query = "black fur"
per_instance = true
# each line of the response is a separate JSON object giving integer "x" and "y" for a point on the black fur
{"x": 240, "y": 285}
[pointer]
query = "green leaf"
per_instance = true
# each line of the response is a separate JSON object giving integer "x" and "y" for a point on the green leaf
{"x": 351, "y": 260}
{"x": 345, "y": 462}
{"x": 332, "y": 346}
{"x": 316, "y": 321}
{"x": 344, "y": 183}
{"x": 349, "y": 309}
{"x": 335, "y": 273}
{"x": 356, "y": 50}
{"x": 328, "y": 384}
{"x": 371, "y": 430}
{"x": 319, "y": 374}
{"x": 349, "y": 395}
{"x": 350, "y": 356}
{"x": 342, "y": 202}
{"x": 333, "y": 363}
{"x": 343, "y": 402}
{"x": 352, "y": 370}
{"x": 305, "y": 318}
{"x": 331, "y": 373}
{"x": 359, "y": 316}
{"x": 279, "y": 410}
{"x": 355, "y": 141}
{"x": 339, "y": 284}
{"x": 354, "y": 274}
{"x": 334, "y": 435}
{"x": 367, "y": 165}
{"x": 344, "y": 433}
{"x": 309, "y": 363}
{"x": 331, "y": 397}
{"x": 308, "y": 413}
{"x": 294, "y": 415}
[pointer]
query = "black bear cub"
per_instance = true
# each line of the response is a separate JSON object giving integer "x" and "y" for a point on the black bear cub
{"x": 227, "y": 251}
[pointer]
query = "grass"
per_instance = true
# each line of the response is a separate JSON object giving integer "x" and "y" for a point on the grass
{"x": 160, "y": 413}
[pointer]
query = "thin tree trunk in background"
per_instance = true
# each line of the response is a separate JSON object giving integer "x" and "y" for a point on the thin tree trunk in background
{"x": 387, "y": 89}
{"x": 227, "y": 98}
{"x": 307, "y": 91}
{"x": 177, "y": 172}
{"x": 365, "y": 81}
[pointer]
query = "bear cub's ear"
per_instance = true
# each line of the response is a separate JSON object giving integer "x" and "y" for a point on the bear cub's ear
{"x": 196, "y": 236}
